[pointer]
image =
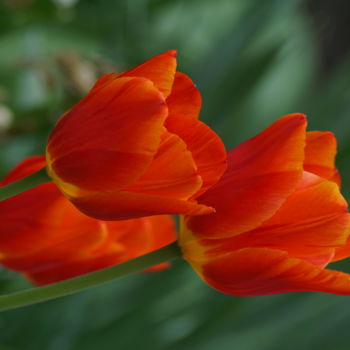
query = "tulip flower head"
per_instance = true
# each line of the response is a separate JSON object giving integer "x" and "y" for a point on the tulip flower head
{"x": 280, "y": 218}
{"x": 134, "y": 147}
{"x": 47, "y": 239}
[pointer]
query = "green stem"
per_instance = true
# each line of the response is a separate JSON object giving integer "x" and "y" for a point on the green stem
{"x": 52, "y": 291}
{"x": 24, "y": 184}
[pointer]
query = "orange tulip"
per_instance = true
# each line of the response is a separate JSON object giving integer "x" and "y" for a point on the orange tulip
{"x": 43, "y": 236}
{"x": 134, "y": 147}
{"x": 280, "y": 218}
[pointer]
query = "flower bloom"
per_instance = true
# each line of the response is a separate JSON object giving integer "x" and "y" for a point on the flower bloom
{"x": 134, "y": 147}
{"x": 43, "y": 236}
{"x": 280, "y": 218}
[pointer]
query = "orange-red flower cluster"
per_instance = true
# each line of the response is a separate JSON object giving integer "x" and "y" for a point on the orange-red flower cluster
{"x": 266, "y": 217}
{"x": 280, "y": 217}
{"x": 43, "y": 236}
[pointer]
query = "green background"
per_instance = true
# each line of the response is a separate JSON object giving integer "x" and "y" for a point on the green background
{"x": 253, "y": 61}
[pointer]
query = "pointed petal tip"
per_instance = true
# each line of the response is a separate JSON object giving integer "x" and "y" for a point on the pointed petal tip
{"x": 300, "y": 117}
{"x": 24, "y": 168}
{"x": 172, "y": 53}
{"x": 325, "y": 135}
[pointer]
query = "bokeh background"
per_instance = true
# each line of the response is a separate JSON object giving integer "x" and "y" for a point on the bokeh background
{"x": 253, "y": 62}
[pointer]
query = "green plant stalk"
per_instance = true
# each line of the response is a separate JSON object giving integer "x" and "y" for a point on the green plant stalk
{"x": 56, "y": 290}
{"x": 24, "y": 184}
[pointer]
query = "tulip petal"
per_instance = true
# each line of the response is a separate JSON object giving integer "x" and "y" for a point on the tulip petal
{"x": 310, "y": 225}
{"x": 160, "y": 230}
{"x": 123, "y": 240}
{"x": 26, "y": 167}
{"x": 163, "y": 231}
{"x": 69, "y": 269}
{"x": 78, "y": 235}
{"x": 343, "y": 251}
{"x": 172, "y": 173}
{"x": 260, "y": 271}
{"x": 185, "y": 99}
{"x": 42, "y": 219}
{"x": 22, "y": 230}
{"x": 159, "y": 69}
{"x": 123, "y": 205}
{"x": 207, "y": 149}
{"x": 142, "y": 235}
{"x": 79, "y": 238}
{"x": 108, "y": 139}
{"x": 320, "y": 151}
{"x": 80, "y": 245}
{"x": 262, "y": 172}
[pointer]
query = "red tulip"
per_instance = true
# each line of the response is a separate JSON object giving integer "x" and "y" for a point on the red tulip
{"x": 280, "y": 218}
{"x": 43, "y": 236}
{"x": 134, "y": 147}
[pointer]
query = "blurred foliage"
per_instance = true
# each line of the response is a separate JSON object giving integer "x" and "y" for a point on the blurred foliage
{"x": 253, "y": 61}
